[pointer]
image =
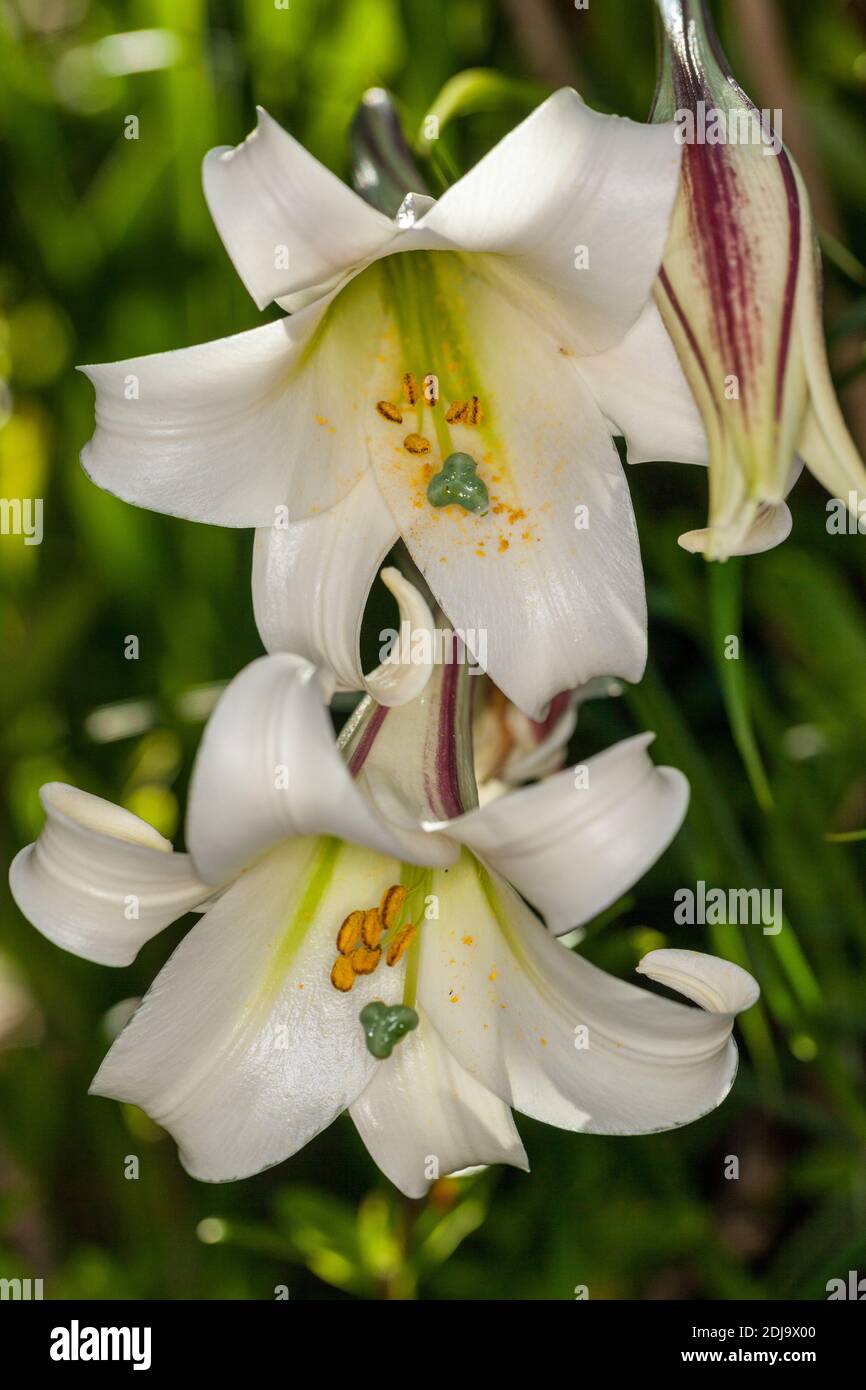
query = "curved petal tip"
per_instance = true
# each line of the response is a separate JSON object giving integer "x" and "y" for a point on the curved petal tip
{"x": 405, "y": 672}
{"x": 719, "y": 986}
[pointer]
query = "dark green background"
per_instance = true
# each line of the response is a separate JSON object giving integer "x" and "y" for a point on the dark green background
{"x": 108, "y": 252}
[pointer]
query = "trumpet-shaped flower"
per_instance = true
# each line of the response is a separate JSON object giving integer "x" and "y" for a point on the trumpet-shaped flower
{"x": 452, "y": 375}
{"x": 366, "y": 943}
{"x": 739, "y": 291}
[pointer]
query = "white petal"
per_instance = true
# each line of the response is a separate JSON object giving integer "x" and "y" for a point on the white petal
{"x": 289, "y": 224}
{"x": 268, "y": 769}
{"x": 230, "y": 432}
{"x": 718, "y": 986}
{"x": 422, "y": 1105}
{"x": 396, "y": 681}
{"x": 569, "y": 179}
{"x": 559, "y": 1039}
{"x": 771, "y": 527}
{"x": 640, "y": 387}
{"x": 311, "y": 582}
{"x": 213, "y": 432}
{"x": 100, "y": 882}
{"x": 243, "y": 1049}
{"x": 553, "y": 601}
{"x": 572, "y": 849}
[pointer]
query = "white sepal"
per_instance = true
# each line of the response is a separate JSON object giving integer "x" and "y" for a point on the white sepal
{"x": 99, "y": 881}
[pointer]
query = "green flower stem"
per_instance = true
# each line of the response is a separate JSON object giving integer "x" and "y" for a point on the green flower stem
{"x": 726, "y": 619}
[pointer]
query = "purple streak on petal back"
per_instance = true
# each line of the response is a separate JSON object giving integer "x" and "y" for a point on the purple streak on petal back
{"x": 793, "y": 196}
{"x": 367, "y": 739}
{"x": 444, "y": 791}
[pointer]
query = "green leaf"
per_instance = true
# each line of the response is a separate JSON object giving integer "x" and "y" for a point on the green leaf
{"x": 476, "y": 89}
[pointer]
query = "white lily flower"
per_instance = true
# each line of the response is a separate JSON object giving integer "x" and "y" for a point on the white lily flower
{"x": 449, "y": 375}
{"x": 740, "y": 294}
{"x": 356, "y": 884}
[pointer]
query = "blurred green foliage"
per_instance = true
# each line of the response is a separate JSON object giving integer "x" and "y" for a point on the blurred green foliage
{"x": 109, "y": 251}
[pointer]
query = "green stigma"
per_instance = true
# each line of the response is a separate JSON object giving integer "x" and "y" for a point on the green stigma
{"x": 384, "y": 1025}
{"x": 458, "y": 482}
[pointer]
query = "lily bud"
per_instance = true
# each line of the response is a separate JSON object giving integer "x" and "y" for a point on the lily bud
{"x": 739, "y": 292}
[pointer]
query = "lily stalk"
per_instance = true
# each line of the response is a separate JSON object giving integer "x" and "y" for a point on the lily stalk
{"x": 739, "y": 292}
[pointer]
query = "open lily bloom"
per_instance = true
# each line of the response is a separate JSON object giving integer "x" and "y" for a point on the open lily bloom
{"x": 450, "y": 375}
{"x": 355, "y": 897}
{"x": 740, "y": 294}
